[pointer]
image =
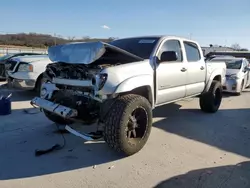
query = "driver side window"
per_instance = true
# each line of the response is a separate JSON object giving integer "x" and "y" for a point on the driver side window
{"x": 172, "y": 45}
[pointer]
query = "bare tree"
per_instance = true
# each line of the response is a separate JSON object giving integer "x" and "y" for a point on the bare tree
{"x": 236, "y": 46}
{"x": 71, "y": 39}
{"x": 244, "y": 49}
{"x": 85, "y": 37}
{"x": 43, "y": 40}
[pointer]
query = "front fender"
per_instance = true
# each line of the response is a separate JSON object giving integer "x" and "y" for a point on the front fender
{"x": 135, "y": 82}
{"x": 211, "y": 78}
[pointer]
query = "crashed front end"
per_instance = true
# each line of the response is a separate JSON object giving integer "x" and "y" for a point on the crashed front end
{"x": 73, "y": 83}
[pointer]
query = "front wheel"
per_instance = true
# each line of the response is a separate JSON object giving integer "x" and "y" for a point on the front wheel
{"x": 211, "y": 100}
{"x": 128, "y": 124}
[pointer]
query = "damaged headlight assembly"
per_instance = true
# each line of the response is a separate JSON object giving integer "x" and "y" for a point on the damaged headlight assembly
{"x": 100, "y": 80}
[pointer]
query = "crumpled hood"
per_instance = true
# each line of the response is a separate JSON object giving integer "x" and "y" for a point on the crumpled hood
{"x": 84, "y": 52}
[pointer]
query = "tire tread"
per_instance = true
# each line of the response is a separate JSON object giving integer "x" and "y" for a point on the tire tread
{"x": 115, "y": 120}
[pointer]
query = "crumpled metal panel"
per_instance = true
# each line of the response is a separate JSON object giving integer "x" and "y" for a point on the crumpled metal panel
{"x": 67, "y": 71}
{"x": 77, "y": 53}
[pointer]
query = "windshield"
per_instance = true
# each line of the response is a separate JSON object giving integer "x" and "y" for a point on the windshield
{"x": 234, "y": 64}
{"x": 5, "y": 57}
{"x": 141, "y": 47}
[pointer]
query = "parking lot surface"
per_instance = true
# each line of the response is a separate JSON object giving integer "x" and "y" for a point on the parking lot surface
{"x": 187, "y": 148}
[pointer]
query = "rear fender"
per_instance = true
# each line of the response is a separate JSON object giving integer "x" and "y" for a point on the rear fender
{"x": 216, "y": 75}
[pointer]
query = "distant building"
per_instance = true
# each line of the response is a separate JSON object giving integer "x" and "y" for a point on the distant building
{"x": 212, "y": 48}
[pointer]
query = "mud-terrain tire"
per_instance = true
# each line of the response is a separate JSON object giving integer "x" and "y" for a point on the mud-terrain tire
{"x": 211, "y": 100}
{"x": 58, "y": 98}
{"x": 120, "y": 124}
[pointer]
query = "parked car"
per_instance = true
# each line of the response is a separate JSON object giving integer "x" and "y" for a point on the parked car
{"x": 118, "y": 85}
{"x": 237, "y": 76}
{"x": 4, "y": 59}
{"x": 27, "y": 72}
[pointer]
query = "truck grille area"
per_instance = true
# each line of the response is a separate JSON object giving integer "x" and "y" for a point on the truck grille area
{"x": 74, "y": 88}
{"x": 10, "y": 65}
{"x": 68, "y": 71}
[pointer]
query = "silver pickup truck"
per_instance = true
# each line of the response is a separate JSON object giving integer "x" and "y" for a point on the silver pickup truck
{"x": 117, "y": 85}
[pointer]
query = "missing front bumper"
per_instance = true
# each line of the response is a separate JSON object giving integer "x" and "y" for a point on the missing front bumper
{"x": 55, "y": 108}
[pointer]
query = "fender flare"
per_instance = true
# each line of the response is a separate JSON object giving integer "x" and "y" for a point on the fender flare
{"x": 211, "y": 78}
{"x": 136, "y": 82}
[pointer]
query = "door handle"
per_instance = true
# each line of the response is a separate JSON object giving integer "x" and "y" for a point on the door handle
{"x": 183, "y": 69}
{"x": 202, "y": 68}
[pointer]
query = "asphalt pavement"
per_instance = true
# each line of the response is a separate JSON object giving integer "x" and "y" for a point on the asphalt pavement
{"x": 187, "y": 148}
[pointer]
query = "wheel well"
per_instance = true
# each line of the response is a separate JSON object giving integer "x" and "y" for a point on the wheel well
{"x": 144, "y": 91}
{"x": 217, "y": 78}
{"x": 38, "y": 78}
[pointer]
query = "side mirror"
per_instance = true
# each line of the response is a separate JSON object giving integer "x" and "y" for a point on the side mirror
{"x": 169, "y": 56}
{"x": 247, "y": 69}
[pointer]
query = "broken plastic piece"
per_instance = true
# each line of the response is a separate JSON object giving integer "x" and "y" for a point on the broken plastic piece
{"x": 89, "y": 137}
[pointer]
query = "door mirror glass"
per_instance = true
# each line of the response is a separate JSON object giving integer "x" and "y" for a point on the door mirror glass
{"x": 247, "y": 69}
{"x": 169, "y": 56}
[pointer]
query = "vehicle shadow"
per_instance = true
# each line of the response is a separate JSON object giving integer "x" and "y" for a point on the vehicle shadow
{"x": 222, "y": 177}
{"x": 19, "y": 141}
{"x": 227, "y": 129}
{"x": 21, "y": 134}
{"x": 227, "y": 95}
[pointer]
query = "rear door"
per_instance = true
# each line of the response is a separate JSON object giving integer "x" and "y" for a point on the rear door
{"x": 196, "y": 69}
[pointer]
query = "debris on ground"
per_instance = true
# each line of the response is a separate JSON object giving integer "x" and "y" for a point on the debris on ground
{"x": 111, "y": 167}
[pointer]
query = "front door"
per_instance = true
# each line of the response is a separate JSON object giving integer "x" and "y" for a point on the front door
{"x": 171, "y": 76}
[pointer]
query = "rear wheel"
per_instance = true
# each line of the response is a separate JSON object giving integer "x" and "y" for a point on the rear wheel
{"x": 128, "y": 124}
{"x": 211, "y": 100}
